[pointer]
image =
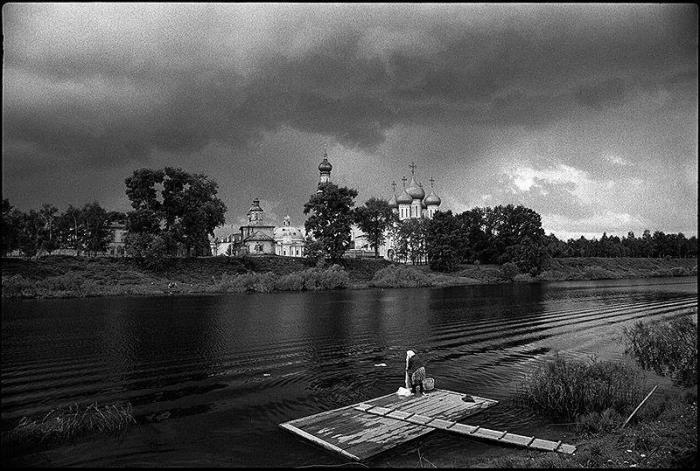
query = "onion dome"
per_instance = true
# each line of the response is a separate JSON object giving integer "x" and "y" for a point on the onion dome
{"x": 414, "y": 190}
{"x": 255, "y": 206}
{"x": 392, "y": 202}
{"x": 325, "y": 166}
{"x": 432, "y": 199}
{"x": 404, "y": 198}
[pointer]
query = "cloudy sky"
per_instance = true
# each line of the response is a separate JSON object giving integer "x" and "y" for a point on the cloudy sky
{"x": 587, "y": 114}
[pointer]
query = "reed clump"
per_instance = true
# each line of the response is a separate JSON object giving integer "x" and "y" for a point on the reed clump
{"x": 568, "y": 389}
{"x": 64, "y": 424}
{"x": 668, "y": 348}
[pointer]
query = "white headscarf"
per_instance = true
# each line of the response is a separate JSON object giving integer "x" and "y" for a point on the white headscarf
{"x": 409, "y": 354}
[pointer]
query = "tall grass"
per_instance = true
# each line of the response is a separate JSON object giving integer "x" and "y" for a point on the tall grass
{"x": 65, "y": 424}
{"x": 569, "y": 389}
{"x": 668, "y": 348}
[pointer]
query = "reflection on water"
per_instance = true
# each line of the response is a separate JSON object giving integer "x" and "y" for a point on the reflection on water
{"x": 230, "y": 368}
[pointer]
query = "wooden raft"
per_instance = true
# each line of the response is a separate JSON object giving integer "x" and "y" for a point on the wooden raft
{"x": 358, "y": 435}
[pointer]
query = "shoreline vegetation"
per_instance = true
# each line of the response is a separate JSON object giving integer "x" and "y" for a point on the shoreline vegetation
{"x": 61, "y": 276}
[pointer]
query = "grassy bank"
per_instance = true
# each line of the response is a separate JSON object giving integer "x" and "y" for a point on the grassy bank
{"x": 67, "y": 276}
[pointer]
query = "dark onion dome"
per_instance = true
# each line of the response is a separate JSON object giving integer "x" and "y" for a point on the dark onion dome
{"x": 392, "y": 202}
{"x": 325, "y": 166}
{"x": 404, "y": 198}
{"x": 415, "y": 191}
{"x": 432, "y": 199}
{"x": 255, "y": 206}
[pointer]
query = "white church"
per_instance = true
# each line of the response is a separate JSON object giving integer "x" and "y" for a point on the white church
{"x": 259, "y": 238}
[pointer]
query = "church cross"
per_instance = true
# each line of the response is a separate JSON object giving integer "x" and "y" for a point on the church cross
{"x": 432, "y": 182}
{"x": 403, "y": 179}
{"x": 393, "y": 186}
{"x": 413, "y": 168}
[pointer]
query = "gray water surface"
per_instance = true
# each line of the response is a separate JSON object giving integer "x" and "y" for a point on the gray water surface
{"x": 228, "y": 369}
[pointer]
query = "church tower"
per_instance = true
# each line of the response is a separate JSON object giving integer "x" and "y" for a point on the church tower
{"x": 324, "y": 169}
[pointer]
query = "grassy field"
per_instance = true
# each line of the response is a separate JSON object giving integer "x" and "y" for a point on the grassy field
{"x": 68, "y": 276}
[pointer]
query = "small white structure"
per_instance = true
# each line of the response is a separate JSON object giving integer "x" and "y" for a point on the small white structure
{"x": 289, "y": 240}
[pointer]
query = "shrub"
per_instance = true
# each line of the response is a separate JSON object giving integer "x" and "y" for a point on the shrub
{"x": 399, "y": 276}
{"x": 333, "y": 277}
{"x": 668, "y": 348}
{"x": 679, "y": 271}
{"x": 568, "y": 388}
{"x": 509, "y": 270}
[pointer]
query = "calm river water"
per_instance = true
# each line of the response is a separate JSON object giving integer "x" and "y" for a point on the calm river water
{"x": 228, "y": 369}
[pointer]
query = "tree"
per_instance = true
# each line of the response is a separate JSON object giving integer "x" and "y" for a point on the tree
{"x": 331, "y": 219}
{"x": 443, "y": 238}
{"x": 31, "y": 226}
{"x": 517, "y": 236}
{"x": 96, "y": 234}
{"x": 48, "y": 214}
{"x": 70, "y": 228}
{"x": 374, "y": 218}
{"x": 411, "y": 240}
{"x": 11, "y": 227}
{"x": 185, "y": 212}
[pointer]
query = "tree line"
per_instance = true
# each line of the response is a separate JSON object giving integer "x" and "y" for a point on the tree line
{"x": 174, "y": 213}
{"x": 83, "y": 229}
{"x": 498, "y": 235}
{"x": 656, "y": 245}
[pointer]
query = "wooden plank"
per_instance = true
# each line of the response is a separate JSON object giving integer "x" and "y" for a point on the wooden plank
{"x": 515, "y": 439}
{"x": 546, "y": 445}
{"x": 320, "y": 442}
{"x": 419, "y": 419}
{"x": 488, "y": 434}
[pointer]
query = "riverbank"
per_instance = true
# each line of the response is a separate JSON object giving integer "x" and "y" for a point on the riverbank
{"x": 68, "y": 276}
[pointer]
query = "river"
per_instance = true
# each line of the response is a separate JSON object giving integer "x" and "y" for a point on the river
{"x": 229, "y": 368}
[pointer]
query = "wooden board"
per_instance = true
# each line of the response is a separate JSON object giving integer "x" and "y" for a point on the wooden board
{"x": 358, "y": 435}
{"x": 472, "y": 431}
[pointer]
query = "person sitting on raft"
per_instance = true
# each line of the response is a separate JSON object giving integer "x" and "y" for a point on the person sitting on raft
{"x": 415, "y": 372}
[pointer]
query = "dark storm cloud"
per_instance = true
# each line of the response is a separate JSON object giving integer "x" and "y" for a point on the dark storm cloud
{"x": 176, "y": 81}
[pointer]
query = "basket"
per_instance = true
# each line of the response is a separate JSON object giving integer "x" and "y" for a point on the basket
{"x": 428, "y": 384}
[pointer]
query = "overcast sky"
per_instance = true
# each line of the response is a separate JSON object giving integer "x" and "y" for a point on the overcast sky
{"x": 587, "y": 114}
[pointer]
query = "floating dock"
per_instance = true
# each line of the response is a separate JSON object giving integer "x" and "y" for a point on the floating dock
{"x": 360, "y": 431}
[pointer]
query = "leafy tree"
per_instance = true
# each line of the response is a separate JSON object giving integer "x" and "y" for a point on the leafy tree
{"x": 48, "y": 240}
{"x": 411, "y": 240}
{"x": 443, "y": 239}
{"x": 331, "y": 219}
{"x": 374, "y": 218}
{"x": 11, "y": 227}
{"x": 70, "y": 228}
{"x": 31, "y": 227}
{"x": 186, "y": 211}
{"x": 96, "y": 234}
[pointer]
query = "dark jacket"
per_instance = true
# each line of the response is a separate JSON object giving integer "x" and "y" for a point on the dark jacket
{"x": 414, "y": 363}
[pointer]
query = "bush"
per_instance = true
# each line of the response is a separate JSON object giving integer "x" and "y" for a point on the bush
{"x": 509, "y": 270}
{"x": 667, "y": 348}
{"x": 399, "y": 276}
{"x": 312, "y": 279}
{"x": 679, "y": 271}
{"x": 570, "y": 388}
